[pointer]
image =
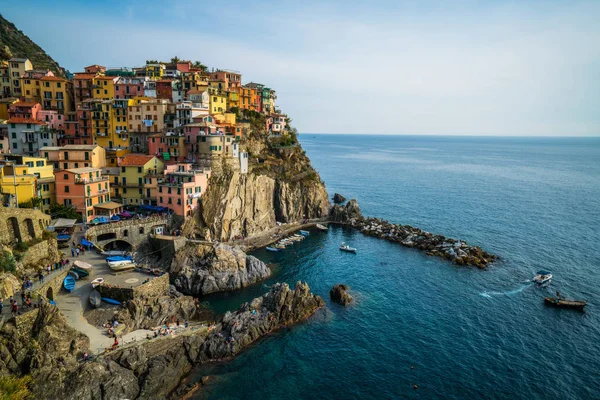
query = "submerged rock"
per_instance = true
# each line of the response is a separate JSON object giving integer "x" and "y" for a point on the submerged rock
{"x": 338, "y": 198}
{"x": 340, "y": 295}
{"x": 202, "y": 269}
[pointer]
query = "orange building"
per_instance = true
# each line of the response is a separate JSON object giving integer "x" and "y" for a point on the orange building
{"x": 86, "y": 190}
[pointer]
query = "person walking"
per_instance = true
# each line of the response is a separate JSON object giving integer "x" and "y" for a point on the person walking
{"x": 15, "y": 309}
{"x": 77, "y": 252}
{"x": 1, "y": 305}
{"x": 23, "y": 298}
{"x": 72, "y": 252}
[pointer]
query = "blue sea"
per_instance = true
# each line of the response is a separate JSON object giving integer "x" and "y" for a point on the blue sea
{"x": 467, "y": 333}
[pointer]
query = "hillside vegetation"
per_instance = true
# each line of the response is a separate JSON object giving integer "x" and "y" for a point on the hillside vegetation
{"x": 14, "y": 43}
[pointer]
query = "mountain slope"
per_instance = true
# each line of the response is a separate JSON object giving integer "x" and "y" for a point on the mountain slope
{"x": 21, "y": 46}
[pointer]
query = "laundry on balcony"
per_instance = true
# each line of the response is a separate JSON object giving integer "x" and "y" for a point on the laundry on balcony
{"x": 147, "y": 122}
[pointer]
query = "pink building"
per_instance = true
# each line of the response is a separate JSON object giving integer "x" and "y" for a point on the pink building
{"x": 181, "y": 188}
{"x": 201, "y": 126}
{"x": 53, "y": 119}
{"x": 127, "y": 87}
{"x": 24, "y": 109}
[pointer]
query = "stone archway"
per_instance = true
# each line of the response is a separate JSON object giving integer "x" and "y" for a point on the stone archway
{"x": 119, "y": 245}
{"x": 14, "y": 232}
{"x": 30, "y": 227}
{"x": 50, "y": 293}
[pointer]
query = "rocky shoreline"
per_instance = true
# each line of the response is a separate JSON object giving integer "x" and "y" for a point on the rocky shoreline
{"x": 155, "y": 368}
{"x": 457, "y": 251}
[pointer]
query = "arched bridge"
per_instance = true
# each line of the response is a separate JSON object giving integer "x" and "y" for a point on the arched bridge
{"x": 128, "y": 232}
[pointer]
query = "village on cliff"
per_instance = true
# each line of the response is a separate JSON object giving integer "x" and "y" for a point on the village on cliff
{"x": 108, "y": 141}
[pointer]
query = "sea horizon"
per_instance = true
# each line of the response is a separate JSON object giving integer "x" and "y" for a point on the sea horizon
{"x": 457, "y": 135}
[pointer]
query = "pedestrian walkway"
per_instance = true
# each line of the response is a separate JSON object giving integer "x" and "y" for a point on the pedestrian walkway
{"x": 37, "y": 283}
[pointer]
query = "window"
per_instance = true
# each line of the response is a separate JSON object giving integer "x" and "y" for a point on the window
{"x": 161, "y": 199}
{"x": 125, "y": 233}
{"x": 39, "y": 163}
{"x": 123, "y": 169}
{"x": 66, "y": 189}
{"x": 65, "y": 166}
{"x": 14, "y": 135}
{"x": 67, "y": 202}
{"x": 86, "y": 156}
{"x": 139, "y": 169}
{"x": 141, "y": 230}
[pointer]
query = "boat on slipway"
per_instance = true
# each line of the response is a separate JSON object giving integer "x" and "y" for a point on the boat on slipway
{"x": 122, "y": 266}
{"x": 97, "y": 282}
{"x": 110, "y": 253}
{"x": 95, "y": 299}
{"x": 323, "y": 228}
{"x": 69, "y": 283}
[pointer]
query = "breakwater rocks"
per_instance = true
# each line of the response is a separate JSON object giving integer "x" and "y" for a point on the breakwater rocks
{"x": 339, "y": 294}
{"x": 154, "y": 369}
{"x": 202, "y": 269}
{"x": 457, "y": 251}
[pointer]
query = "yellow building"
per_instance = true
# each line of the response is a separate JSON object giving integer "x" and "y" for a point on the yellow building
{"x": 193, "y": 80}
{"x": 4, "y": 80}
{"x": 233, "y": 99}
{"x": 16, "y": 68}
{"x": 134, "y": 168}
{"x": 56, "y": 94}
{"x": 217, "y": 101}
{"x": 103, "y": 87}
{"x": 5, "y": 105}
{"x": 155, "y": 71}
{"x": 43, "y": 170}
{"x": 15, "y": 179}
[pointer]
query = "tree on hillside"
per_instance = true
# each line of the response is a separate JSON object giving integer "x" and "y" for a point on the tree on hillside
{"x": 61, "y": 211}
{"x": 199, "y": 65}
{"x": 5, "y": 53}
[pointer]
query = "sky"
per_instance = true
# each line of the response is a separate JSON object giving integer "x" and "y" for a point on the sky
{"x": 513, "y": 68}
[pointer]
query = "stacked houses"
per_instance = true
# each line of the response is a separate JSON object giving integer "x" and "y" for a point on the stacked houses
{"x": 109, "y": 138}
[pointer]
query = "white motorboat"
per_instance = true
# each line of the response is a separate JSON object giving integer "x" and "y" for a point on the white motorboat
{"x": 113, "y": 264}
{"x": 82, "y": 265}
{"x": 542, "y": 277}
{"x": 322, "y": 227}
{"x": 345, "y": 247}
{"x": 97, "y": 282}
{"x": 109, "y": 253}
{"x": 122, "y": 266}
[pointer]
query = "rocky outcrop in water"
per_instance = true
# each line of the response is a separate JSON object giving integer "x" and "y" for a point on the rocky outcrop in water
{"x": 153, "y": 369}
{"x": 457, "y": 251}
{"x": 203, "y": 269}
{"x": 338, "y": 198}
{"x": 339, "y": 294}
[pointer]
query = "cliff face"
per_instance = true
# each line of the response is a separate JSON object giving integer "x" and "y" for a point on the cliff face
{"x": 280, "y": 186}
{"x": 202, "y": 269}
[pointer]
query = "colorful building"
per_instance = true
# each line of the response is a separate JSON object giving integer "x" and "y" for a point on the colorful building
{"x": 43, "y": 171}
{"x": 75, "y": 156}
{"x": 24, "y": 109}
{"x": 231, "y": 79}
{"x": 169, "y": 147}
{"x": 182, "y": 187}
{"x": 31, "y": 85}
{"x": 129, "y": 87}
{"x": 4, "y": 80}
{"x": 85, "y": 189}
{"x": 28, "y": 136}
{"x": 83, "y": 86}
{"x": 134, "y": 167}
{"x": 56, "y": 94}
{"x": 16, "y": 68}
{"x": 217, "y": 101}
{"x": 17, "y": 184}
{"x": 104, "y": 87}
{"x": 155, "y": 71}
{"x": 210, "y": 146}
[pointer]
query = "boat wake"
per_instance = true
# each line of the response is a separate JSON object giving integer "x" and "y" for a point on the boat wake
{"x": 489, "y": 295}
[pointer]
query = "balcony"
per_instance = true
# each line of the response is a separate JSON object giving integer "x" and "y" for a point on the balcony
{"x": 85, "y": 181}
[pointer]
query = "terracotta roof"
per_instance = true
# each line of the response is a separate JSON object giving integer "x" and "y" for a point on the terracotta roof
{"x": 18, "y": 120}
{"x": 133, "y": 160}
{"x": 24, "y": 104}
{"x": 106, "y": 77}
{"x": 83, "y": 75}
{"x": 52, "y": 78}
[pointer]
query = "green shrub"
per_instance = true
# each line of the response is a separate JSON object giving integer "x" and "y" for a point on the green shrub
{"x": 21, "y": 246}
{"x": 14, "y": 388}
{"x": 8, "y": 262}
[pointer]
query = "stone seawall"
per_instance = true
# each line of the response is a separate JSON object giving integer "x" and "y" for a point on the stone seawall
{"x": 154, "y": 288}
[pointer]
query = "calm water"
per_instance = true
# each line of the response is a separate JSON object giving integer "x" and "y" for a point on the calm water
{"x": 468, "y": 333}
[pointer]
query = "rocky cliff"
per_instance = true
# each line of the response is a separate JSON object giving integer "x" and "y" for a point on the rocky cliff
{"x": 202, "y": 269}
{"x": 152, "y": 370}
{"x": 280, "y": 186}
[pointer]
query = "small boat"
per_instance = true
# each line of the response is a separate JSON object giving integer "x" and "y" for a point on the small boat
{"x": 305, "y": 233}
{"x": 565, "y": 303}
{"x": 122, "y": 266}
{"x": 279, "y": 246}
{"x": 97, "y": 282}
{"x": 95, "y": 298}
{"x": 111, "y": 301}
{"x": 115, "y": 218}
{"x": 83, "y": 265}
{"x": 542, "y": 277}
{"x": 69, "y": 283}
{"x": 74, "y": 275}
{"x": 345, "y": 247}
{"x": 125, "y": 214}
{"x": 81, "y": 272}
{"x": 273, "y": 249}
{"x": 322, "y": 227}
{"x": 63, "y": 237}
{"x": 109, "y": 253}
{"x": 118, "y": 258}
{"x": 99, "y": 221}
{"x": 52, "y": 302}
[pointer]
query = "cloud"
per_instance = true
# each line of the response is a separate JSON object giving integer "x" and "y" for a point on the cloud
{"x": 527, "y": 68}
